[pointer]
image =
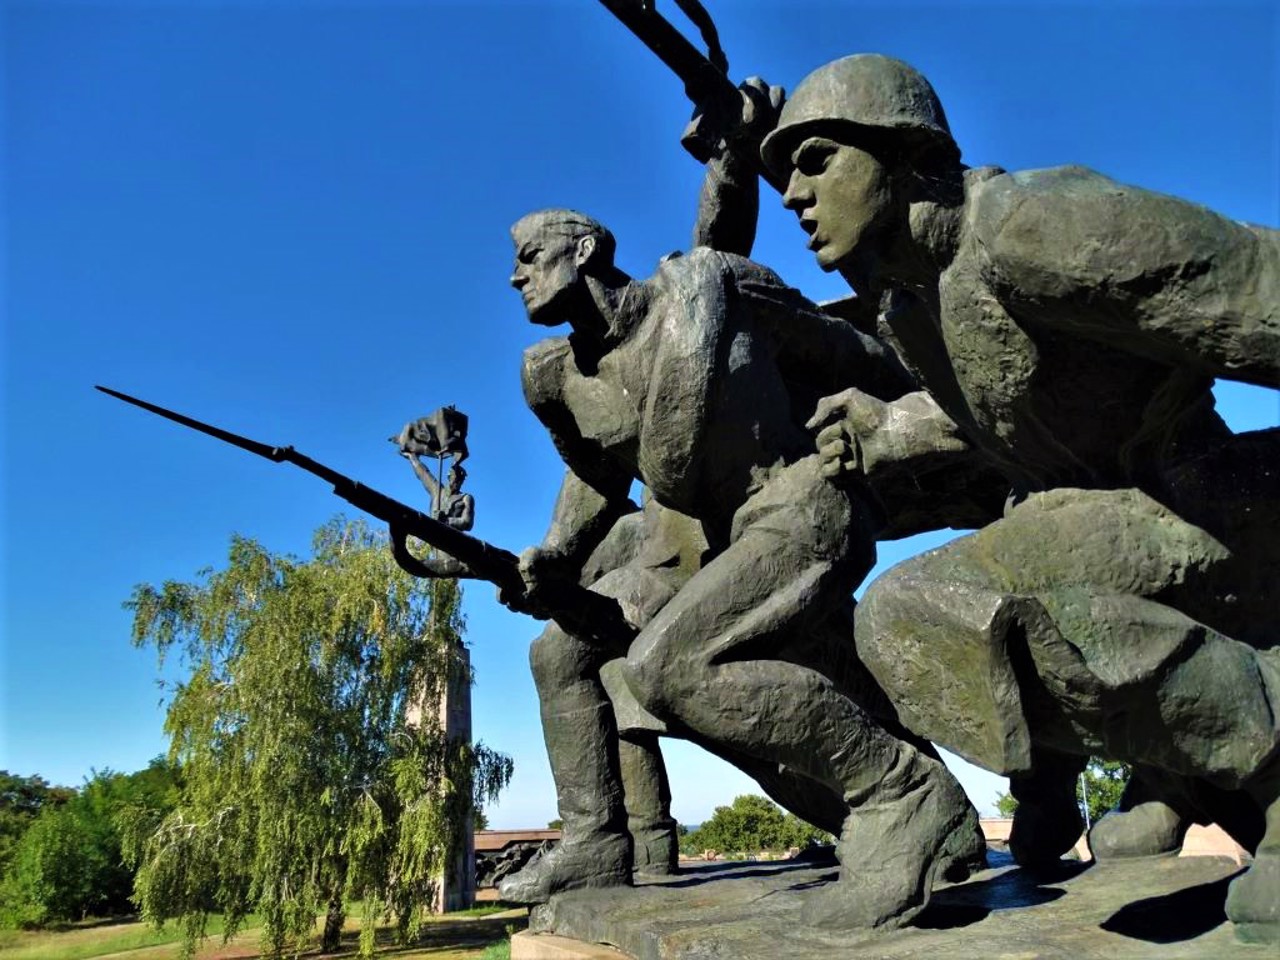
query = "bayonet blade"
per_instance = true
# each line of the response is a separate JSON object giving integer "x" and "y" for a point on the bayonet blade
{"x": 244, "y": 443}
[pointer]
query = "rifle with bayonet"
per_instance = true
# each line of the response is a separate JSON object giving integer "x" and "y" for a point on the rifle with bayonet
{"x": 705, "y": 76}
{"x": 575, "y": 608}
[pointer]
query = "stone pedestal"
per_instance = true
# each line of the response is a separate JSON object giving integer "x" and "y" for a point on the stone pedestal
{"x": 1157, "y": 909}
{"x": 547, "y": 946}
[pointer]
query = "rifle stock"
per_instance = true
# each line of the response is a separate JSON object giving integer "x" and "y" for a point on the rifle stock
{"x": 703, "y": 79}
{"x": 705, "y": 76}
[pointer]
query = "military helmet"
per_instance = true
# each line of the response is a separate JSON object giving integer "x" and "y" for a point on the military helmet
{"x": 872, "y": 93}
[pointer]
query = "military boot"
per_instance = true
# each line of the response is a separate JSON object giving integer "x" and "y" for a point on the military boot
{"x": 1144, "y": 824}
{"x": 655, "y": 848}
{"x": 909, "y": 823}
{"x": 1047, "y": 822}
{"x": 1253, "y": 899}
{"x": 597, "y": 861}
{"x": 1150, "y": 829}
{"x": 594, "y": 849}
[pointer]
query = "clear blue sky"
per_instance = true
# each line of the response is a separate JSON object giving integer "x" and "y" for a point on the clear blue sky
{"x": 291, "y": 218}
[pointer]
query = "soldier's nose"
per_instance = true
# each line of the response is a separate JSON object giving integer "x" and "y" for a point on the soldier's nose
{"x": 518, "y": 281}
{"x": 796, "y": 195}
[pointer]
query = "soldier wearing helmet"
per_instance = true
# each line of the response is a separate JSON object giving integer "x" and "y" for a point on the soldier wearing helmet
{"x": 1070, "y": 327}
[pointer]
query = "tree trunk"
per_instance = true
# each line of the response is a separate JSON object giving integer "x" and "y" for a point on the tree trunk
{"x": 333, "y": 920}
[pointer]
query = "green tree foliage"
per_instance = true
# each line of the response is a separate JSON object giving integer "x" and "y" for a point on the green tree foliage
{"x": 1006, "y": 804}
{"x": 305, "y": 786}
{"x": 21, "y": 800}
{"x": 1103, "y": 783}
{"x": 53, "y": 870}
{"x": 68, "y": 864}
{"x": 749, "y": 825}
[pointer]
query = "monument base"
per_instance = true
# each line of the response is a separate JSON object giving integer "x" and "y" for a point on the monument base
{"x": 1166, "y": 908}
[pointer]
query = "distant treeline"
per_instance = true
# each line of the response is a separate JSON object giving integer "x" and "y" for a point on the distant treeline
{"x": 750, "y": 825}
{"x": 60, "y": 847}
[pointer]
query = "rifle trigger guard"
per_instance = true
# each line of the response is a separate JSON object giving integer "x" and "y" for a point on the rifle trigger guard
{"x": 405, "y": 560}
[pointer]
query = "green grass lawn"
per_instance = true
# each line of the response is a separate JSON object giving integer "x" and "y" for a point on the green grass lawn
{"x": 478, "y": 934}
{"x": 94, "y": 938}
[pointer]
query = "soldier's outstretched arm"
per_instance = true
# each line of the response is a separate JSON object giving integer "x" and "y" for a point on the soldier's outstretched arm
{"x": 424, "y": 475}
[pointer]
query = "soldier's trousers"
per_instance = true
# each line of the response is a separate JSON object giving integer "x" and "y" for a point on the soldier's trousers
{"x": 1084, "y": 621}
{"x": 718, "y": 663}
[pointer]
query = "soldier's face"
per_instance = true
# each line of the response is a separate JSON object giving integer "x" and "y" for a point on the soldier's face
{"x": 843, "y": 197}
{"x": 546, "y": 271}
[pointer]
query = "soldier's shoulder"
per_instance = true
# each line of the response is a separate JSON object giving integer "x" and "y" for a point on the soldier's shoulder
{"x": 705, "y": 264}
{"x": 690, "y": 263}
{"x": 1068, "y": 177}
{"x": 993, "y": 199}
{"x": 1046, "y": 212}
{"x": 549, "y": 352}
{"x": 543, "y": 368}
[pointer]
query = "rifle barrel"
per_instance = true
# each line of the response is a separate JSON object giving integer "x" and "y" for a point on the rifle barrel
{"x": 577, "y": 609}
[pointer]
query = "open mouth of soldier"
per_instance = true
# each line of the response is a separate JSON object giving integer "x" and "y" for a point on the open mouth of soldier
{"x": 811, "y": 228}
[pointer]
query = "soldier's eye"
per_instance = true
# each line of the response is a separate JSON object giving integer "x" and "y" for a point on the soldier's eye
{"x": 529, "y": 255}
{"x": 812, "y": 158}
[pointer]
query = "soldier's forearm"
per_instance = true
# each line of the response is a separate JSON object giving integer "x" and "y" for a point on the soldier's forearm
{"x": 964, "y": 493}
{"x": 832, "y": 354}
{"x": 582, "y": 518}
{"x": 916, "y": 432}
{"x": 924, "y": 470}
{"x": 424, "y": 476}
{"x": 728, "y": 206}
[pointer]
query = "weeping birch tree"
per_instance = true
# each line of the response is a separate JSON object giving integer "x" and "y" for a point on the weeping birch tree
{"x": 304, "y": 787}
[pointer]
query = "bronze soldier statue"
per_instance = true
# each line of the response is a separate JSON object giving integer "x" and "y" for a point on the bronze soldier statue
{"x": 1069, "y": 327}
{"x": 684, "y": 382}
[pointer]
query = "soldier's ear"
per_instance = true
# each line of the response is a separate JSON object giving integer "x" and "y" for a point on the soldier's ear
{"x": 585, "y": 250}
